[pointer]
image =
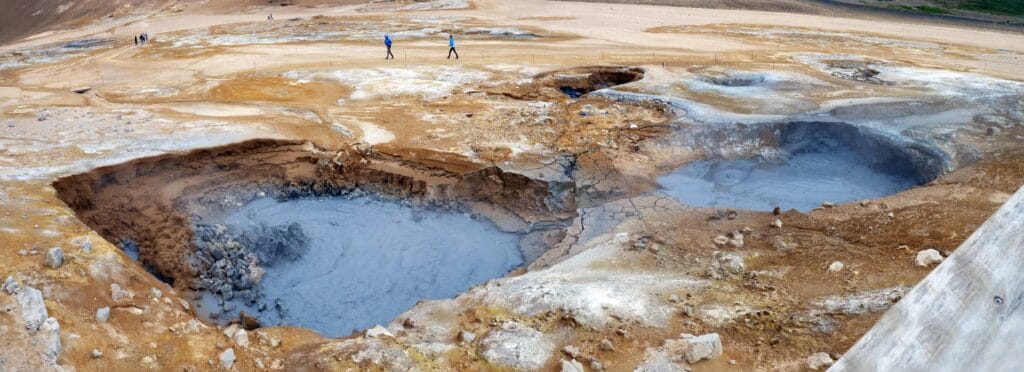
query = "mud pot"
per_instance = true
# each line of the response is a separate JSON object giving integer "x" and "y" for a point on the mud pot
{"x": 293, "y": 235}
{"x": 813, "y": 163}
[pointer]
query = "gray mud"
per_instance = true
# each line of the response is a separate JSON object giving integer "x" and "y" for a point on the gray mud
{"x": 358, "y": 262}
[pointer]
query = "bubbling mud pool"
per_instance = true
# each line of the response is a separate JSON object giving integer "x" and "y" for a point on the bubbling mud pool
{"x": 813, "y": 163}
{"x": 365, "y": 261}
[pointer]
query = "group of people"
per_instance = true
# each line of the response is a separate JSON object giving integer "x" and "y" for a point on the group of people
{"x": 141, "y": 38}
{"x": 451, "y": 47}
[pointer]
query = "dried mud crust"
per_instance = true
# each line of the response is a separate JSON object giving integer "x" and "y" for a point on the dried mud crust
{"x": 152, "y": 201}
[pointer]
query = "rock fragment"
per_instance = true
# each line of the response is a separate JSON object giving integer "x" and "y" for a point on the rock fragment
{"x": 51, "y": 340}
{"x": 102, "y": 314}
{"x": 571, "y": 366}
{"x": 227, "y": 358}
{"x": 818, "y": 361}
{"x": 467, "y": 336}
{"x": 516, "y": 346}
{"x": 378, "y": 331}
{"x": 248, "y": 322}
{"x": 33, "y": 308}
{"x": 607, "y": 345}
{"x": 835, "y": 267}
{"x": 54, "y": 257}
{"x": 703, "y": 347}
{"x": 928, "y": 257}
{"x": 777, "y": 224}
{"x": 119, "y": 295}
{"x": 96, "y": 354}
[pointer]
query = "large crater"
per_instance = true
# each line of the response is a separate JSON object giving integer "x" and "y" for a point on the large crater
{"x": 333, "y": 241}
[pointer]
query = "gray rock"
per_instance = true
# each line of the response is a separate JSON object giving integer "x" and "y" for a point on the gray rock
{"x": 119, "y": 295}
{"x": 571, "y": 366}
{"x": 96, "y": 354}
{"x": 819, "y": 360}
{"x": 467, "y": 336}
{"x": 517, "y": 346}
{"x": 102, "y": 314}
{"x": 607, "y": 345}
{"x": 378, "y": 331}
{"x": 33, "y": 309}
{"x": 928, "y": 257}
{"x": 10, "y": 286}
{"x": 227, "y": 358}
{"x": 54, "y": 257}
{"x": 51, "y": 340}
{"x": 85, "y": 244}
{"x": 703, "y": 347}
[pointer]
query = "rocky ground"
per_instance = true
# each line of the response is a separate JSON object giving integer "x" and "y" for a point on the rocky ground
{"x": 555, "y": 124}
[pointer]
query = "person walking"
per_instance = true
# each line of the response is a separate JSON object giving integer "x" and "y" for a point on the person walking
{"x": 451, "y": 47}
{"x": 136, "y": 39}
{"x": 387, "y": 43}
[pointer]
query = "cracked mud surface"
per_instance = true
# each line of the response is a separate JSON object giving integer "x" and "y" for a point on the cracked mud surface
{"x": 543, "y": 136}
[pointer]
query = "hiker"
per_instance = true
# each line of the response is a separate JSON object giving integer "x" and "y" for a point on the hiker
{"x": 387, "y": 43}
{"x": 270, "y": 16}
{"x": 451, "y": 47}
{"x": 136, "y": 39}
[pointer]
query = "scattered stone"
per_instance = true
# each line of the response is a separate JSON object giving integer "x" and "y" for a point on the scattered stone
{"x": 409, "y": 323}
{"x": 993, "y": 131}
{"x": 227, "y": 358}
{"x": 33, "y": 309}
{"x": 241, "y": 337}
{"x": 819, "y": 360}
{"x": 378, "y": 331}
{"x": 827, "y": 204}
{"x": 51, "y": 340}
{"x": 607, "y": 345}
{"x": 721, "y": 240}
{"x": 267, "y": 340}
{"x": 928, "y": 257}
{"x": 43, "y": 116}
{"x": 674, "y": 298}
{"x": 890, "y": 215}
{"x": 596, "y": 365}
{"x": 119, "y": 295}
{"x": 703, "y": 347}
{"x": 777, "y": 211}
{"x": 148, "y": 359}
{"x": 571, "y": 351}
{"x": 81, "y": 90}
{"x": 835, "y": 267}
{"x": 731, "y": 263}
{"x": 103, "y": 314}
{"x": 248, "y": 322}
{"x": 736, "y": 239}
{"x": 467, "y": 336}
{"x": 85, "y": 245}
{"x": 516, "y": 346}
{"x": 96, "y": 354}
{"x": 732, "y": 362}
{"x": 777, "y": 224}
{"x": 54, "y": 257}
{"x": 571, "y": 366}
{"x": 155, "y": 293}
{"x": 10, "y": 286}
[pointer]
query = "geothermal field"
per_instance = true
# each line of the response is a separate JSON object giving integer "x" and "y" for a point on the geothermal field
{"x": 666, "y": 186}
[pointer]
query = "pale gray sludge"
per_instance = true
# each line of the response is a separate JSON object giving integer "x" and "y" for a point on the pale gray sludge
{"x": 814, "y": 163}
{"x": 366, "y": 262}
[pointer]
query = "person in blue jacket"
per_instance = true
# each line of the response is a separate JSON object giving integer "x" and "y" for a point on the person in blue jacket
{"x": 451, "y": 47}
{"x": 387, "y": 43}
